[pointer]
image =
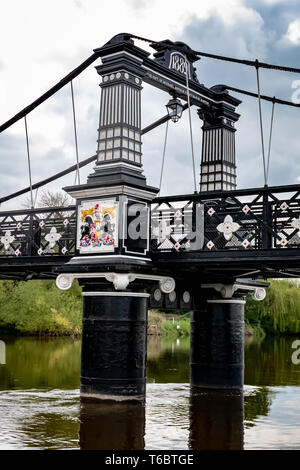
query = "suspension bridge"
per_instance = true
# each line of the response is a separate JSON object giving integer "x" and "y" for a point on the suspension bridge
{"x": 131, "y": 248}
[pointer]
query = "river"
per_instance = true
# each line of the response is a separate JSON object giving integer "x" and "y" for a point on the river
{"x": 40, "y": 405}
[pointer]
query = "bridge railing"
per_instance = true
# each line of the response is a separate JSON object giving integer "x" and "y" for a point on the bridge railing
{"x": 267, "y": 218}
{"x": 38, "y": 232}
{"x": 258, "y": 219}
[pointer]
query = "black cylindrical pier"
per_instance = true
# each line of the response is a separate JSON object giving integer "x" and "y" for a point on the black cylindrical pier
{"x": 217, "y": 344}
{"x": 113, "y": 365}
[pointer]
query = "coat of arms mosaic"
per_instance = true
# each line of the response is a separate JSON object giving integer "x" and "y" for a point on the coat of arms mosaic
{"x": 97, "y": 227}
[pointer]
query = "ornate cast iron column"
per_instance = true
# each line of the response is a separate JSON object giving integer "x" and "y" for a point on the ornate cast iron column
{"x": 218, "y": 165}
{"x": 112, "y": 259}
{"x": 113, "y": 364}
{"x": 119, "y": 140}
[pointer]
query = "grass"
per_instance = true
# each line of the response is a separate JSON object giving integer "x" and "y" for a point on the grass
{"x": 162, "y": 324}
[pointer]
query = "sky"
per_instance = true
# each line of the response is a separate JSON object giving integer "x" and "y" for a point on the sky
{"x": 41, "y": 42}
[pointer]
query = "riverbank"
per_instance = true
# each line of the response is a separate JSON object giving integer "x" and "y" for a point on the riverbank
{"x": 39, "y": 308}
{"x": 168, "y": 324}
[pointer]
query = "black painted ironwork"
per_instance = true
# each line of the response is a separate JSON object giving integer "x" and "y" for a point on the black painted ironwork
{"x": 263, "y": 219}
{"x": 245, "y": 220}
{"x": 38, "y": 232}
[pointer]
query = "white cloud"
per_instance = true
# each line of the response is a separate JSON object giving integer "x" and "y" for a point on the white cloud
{"x": 42, "y": 42}
{"x": 292, "y": 35}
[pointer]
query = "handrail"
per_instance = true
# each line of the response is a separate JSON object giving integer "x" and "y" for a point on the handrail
{"x": 38, "y": 210}
{"x": 228, "y": 194}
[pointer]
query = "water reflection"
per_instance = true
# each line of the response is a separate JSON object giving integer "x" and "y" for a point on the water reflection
{"x": 216, "y": 420}
{"x": 257, "y": 402}
{"x": 107, "y": 426}
{"x": 40, "y": 363}
{"x": 268, "y": 362}
{"x": 168, "y": 360}
{"x": 40, "y": 405}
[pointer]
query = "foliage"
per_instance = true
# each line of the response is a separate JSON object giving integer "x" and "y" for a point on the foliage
{"x": 162, "y": 324}
{"x": 39, "y": 307}
{"x": 279, "y": 313}
{"x": 178, "y": 328}
{"x": 254, "y": 329}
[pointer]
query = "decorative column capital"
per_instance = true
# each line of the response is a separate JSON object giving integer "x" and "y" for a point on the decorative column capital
{"x": 218, "y": 163}
{"x": 228, "y": 290}
{"x": 119, "y": 280}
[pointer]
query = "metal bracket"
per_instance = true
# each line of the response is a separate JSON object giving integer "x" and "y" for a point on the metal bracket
{"x": 227, "y": 290}
{"x": 120, "y": 281}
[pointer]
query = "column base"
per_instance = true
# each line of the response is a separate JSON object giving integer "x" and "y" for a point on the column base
{"x": 96, "y": 397}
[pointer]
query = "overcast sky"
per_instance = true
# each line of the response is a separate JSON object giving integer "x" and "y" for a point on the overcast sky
{"x": 40, "y": 42}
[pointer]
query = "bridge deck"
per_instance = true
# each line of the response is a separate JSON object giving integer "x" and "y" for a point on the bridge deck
{"x": 240, "y": 232}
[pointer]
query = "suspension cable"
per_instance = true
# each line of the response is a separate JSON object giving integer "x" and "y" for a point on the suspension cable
{"x": 95, "y": 55}
{"x": 28, "y": 160}
{"x": 262, "y": 97}
{"x": 270, "y": 138}
{"x": 251, "y": 63}
{"x": 47, "y": 180}
{"x": 75, "y": 133}
{"x": 163, "y": 158}
{"x": 190, "y": 123}
{"x": 71, "y": 168}
{"x": 50, "y": 92}
{"x": 35, "y": 198}
{"x": 261, "y": 126}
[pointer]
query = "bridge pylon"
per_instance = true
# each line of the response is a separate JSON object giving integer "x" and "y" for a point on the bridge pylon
{"x": 117, "y": 235}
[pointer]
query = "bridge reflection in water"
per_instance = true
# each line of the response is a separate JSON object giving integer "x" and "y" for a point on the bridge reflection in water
{"x": 216, "y": 420}
{"x": 111, "y": 425}
{"x": 216, "y": 423}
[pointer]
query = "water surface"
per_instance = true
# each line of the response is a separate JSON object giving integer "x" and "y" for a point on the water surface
{"x": 40, "y": 405}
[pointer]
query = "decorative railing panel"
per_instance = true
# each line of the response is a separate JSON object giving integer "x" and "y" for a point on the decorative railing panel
{"x": 241, "y": 220}
{"x": 264, "y": 219}
{"x": 38, "y": 232}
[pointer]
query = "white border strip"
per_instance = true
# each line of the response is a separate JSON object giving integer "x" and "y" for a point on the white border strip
{"x": 115, "y": 294}
{"x": 226, "y": 301}
{"x": 115, "y": 257}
